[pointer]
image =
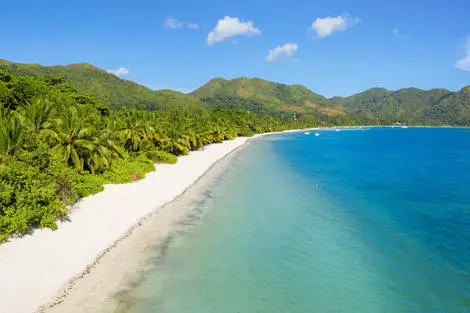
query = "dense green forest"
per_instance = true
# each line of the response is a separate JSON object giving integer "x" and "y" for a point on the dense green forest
{"x": 58, "y": 144}
{"x": 264, "y": 98}
{"x": 107, "y": 88}
{"x": 411, "y": 105}
{"x": 376, "y": 106}
{"x": 267, "y": 96}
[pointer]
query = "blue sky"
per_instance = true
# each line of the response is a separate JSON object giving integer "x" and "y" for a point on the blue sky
{"x": 333, "y": 47}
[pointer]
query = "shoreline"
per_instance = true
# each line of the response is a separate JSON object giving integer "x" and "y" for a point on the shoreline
{"x": 85, "y": 297}
{"x": 56, "y": 260}
{"x": 106, "y": 288}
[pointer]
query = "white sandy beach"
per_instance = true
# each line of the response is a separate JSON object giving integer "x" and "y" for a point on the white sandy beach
{"x": 35, "y": 268}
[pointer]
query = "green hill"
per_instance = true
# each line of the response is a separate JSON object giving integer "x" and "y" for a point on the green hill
{"x": 107, "y": 88}
{"x": 410, "y": 105}
{"x": 453, "y": 109}
{"x": 259, "y": 95}
{"x": 376, "y": 105}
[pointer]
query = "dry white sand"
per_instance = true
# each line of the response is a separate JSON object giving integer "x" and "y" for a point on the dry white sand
{"x": 35, "y": 268}
{"x": 108, "y": 286}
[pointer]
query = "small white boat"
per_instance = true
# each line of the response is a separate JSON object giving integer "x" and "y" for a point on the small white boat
{"x": 307, "y": 133}
{"x": 317, "y": 134}
{"x": 337, "y": 129}
{"x": 404, "y": 126}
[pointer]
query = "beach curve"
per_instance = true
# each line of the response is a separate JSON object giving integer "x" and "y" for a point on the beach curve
{"x": 43, "y": 266}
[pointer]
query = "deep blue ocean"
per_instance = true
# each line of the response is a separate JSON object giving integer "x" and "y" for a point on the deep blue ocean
{"x": 361, "y": 221}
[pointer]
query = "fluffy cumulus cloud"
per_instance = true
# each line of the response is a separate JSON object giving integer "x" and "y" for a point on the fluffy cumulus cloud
{"x": 285, "y": 51}
{"x": 229, "y": 27}
{"x": 119, "y": 72}
{"x": 324, "y": 27}
{"x": 464, "y": 63}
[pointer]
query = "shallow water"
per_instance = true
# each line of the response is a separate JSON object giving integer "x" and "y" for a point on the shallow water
{"x": 363, "y": 221}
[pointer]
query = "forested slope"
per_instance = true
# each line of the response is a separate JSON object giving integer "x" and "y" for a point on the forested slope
{"x": 260, "y": 95}
{"x": 411, "y": 105}
{"x": 58, "y": 144}
{"x": 107, "y": 88}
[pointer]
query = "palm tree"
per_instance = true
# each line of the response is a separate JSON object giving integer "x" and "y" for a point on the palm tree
{"x": 37, "y": 114}
{"x": 136, "y": 131}
{"x": 77, "y": 140}
{"x": 72, "y": 136}
{"x": 102, "y": 152}
{"x": 160, "y": 141}
{"x": 12, "y": 136}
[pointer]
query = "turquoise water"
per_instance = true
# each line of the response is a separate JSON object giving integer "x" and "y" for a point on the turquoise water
{"x": 351, "y": 221}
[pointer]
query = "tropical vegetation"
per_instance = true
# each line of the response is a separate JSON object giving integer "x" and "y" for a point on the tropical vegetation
{"x": 410, "y": 105}
{"x": 264, "y": 98}
{"x": 58, "y": 144}
{"x": 65, "y": 131}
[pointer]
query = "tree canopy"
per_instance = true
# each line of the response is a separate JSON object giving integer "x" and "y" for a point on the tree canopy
{"x": 411, "y": 105}
{"x": 58, "y": 144}
{"x": 66, "y": 131}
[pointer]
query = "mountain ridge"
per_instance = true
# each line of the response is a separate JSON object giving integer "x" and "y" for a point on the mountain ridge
{"x": 433, "y": 106}
{"x": 108, "y": 88}
{"x": 273, "y": 96}
{"x": 377, "y": 105}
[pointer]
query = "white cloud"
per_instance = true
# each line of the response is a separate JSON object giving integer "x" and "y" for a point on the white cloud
{"x": 230, "y": 27}
{"x": 173, "y": 23}
{"x": 324, "y": 27}
{"x": 286, "y": 51}
{"x": 193, "y": 26}
{"x": 464, "y": 63}
{"x": 119, "y": 72}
